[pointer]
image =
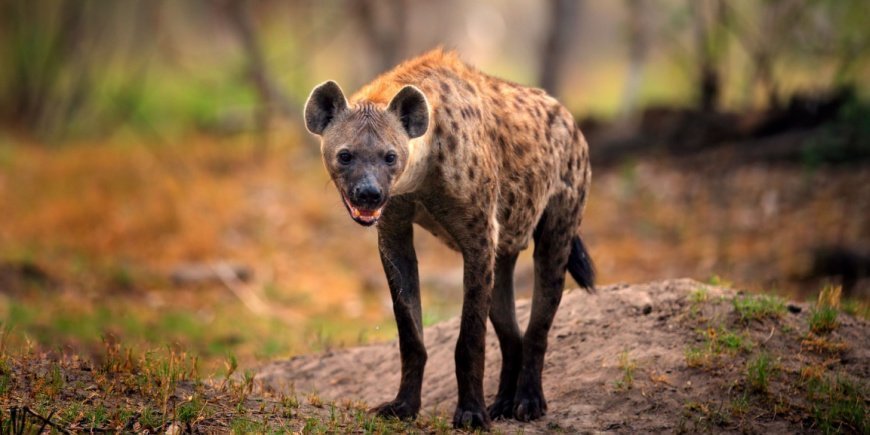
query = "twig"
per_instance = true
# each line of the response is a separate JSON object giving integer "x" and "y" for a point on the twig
{"x": 46, "y": 421}
{"x": 229, "y": 279}
{"x": 772, "y": 330}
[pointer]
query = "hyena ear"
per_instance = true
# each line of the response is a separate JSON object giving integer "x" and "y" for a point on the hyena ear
{"x": 324, "y": 104}
{"x": 411, "y": 107}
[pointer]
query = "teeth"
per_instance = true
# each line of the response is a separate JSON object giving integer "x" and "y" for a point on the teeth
{"x": 363, "y": 215}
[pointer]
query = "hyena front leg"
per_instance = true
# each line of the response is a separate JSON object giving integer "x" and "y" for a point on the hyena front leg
{"x": 471, "y": 345}
{"x": 396, "y": 244}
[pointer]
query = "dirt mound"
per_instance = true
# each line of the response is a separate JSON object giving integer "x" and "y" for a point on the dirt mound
{"x": 667, "y": 356}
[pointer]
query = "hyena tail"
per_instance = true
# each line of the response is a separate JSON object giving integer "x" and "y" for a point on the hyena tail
{"x": 580, "y": 265}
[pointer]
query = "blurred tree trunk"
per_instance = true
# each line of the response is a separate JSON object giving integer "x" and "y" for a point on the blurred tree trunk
{"x": 272, "y": 101}
{"x": 709, "y": 20}
{"x": 385, "y": 36}
{"x": 638, "y": 47}
{"x": 563, "y": 17}
{"x": 39, "y": 52}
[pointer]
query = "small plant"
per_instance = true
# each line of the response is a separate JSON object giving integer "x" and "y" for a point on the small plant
{"x": 55, "y": 381}
{"x": 5, "y": 376}
{"x": 695, "y": 357}
{"x": 242, "y": 425}
{"x": 758, "y": 307}
{"x": 149, "y": 418}
{"x": 823, "y": 317}
{"x": 718, "y": 281}
{"x": 440, "y": 424}
{"x": 71, "y": 414}
{"x": 231, "y": 364}
{"x": 838, "y": 404}
{"x": 740, "y": 405}
{"x": 289, "y": 404}
{"x": 628, "y": 367}
{"x": 96, "y": 417}
{"x": 732, "y": 341}
{"x": 699, "y": 296}
{"x": 189, "y": 411}
{"x": 313, "y": 425}
{"x": 758, "y": 372}
{"x": 823, "y": 320}
{"x": 315, "y": 400}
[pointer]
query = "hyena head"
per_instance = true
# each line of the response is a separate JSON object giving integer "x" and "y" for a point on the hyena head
{"x": 365, "y": 147}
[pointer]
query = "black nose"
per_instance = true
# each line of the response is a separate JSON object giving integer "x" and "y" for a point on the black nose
{"x": 367, "y": 196}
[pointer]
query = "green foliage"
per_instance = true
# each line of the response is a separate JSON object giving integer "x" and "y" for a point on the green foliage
{"x": 717, "y": 342}
{"x": 150, "y": 418}
{"x": 188, "y": 412}
{"x": 823, "y": 317}
{"x": 96, "y": 417}
{"x": 855, "y": 308}
{"x": 758, "y": 307}
{"x": 5, "y": 376}
{"x": 628, "y": 366}
{"x": 759, "y": 371}
{"x": 241, "y": 425}
{"x": 846, "y": 140}
{"x": 823, "y": 320}
{"x": 695, "y": 356}
{"x": 838, "y": 403}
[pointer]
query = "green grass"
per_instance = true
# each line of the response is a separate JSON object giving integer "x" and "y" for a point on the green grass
{"x": 696, "y": 356}
{"x": 838, "y": 404}
{"x": 758, "y": 307}
{"x": 189, "y": 411}
{"x": 716, "y": 342}
{"x": 823, "y": 320}
{"x": 150, "y": 418}
{"x": 244, "y": 425}
{"x": 856, "y": 308}
{"x": 628, "y": 367}
{"x": 759, "y": 371}
{"x": 823, "y": 317}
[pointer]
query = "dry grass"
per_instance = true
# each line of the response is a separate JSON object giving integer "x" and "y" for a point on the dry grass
{"x": 107, "y": 222}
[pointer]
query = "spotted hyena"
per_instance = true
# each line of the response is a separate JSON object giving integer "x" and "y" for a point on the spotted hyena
{"x": 485, "y": 165}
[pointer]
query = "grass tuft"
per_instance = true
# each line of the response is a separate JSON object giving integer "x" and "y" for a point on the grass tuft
{"x": 758, "y": 307}
{"x": 838, "y": 404}
{"x": 628, "y": 367}
{"x": 758, "y": 372}
{"x": 823, "y": 317}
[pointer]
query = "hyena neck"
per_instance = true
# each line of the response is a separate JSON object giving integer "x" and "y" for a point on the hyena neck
{"x": 412, "y": 178}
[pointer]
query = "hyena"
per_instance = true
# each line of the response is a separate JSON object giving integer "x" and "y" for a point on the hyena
{"x": 485, "y": 165}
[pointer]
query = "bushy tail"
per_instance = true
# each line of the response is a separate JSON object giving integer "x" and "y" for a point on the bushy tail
{"x": 580, "y": 265}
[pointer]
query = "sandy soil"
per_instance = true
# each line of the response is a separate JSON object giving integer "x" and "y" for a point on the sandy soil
{"x": 584, "y": 376}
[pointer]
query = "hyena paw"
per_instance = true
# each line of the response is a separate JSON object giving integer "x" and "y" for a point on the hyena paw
{"x": 398, "y": 409}
{"x": 529, "y": 404}
{"x": 471, "y": 418}
{"x": 503, "y": 407}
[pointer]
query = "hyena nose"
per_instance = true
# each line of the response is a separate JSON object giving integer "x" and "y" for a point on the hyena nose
{"x": 368, "y": 196}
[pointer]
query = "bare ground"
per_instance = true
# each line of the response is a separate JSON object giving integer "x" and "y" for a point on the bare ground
{"x": 639, "y": 358}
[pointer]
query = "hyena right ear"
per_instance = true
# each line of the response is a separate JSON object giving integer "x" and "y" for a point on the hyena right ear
{"x": 324, "y": 104}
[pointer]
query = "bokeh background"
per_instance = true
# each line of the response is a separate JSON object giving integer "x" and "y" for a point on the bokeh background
{"x": 158, "y": 188}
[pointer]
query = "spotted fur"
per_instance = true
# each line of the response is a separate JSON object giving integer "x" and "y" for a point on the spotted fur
{"x": 499, "y": 164}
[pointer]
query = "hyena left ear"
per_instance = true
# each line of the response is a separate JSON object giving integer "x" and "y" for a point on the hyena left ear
{"x": 325, "y": 102}
{"x": 411, "y": 107}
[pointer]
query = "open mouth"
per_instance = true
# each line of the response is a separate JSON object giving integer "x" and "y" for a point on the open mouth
{"x": 362, "y": 216}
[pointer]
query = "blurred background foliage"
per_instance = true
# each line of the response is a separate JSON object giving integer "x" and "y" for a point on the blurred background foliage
{"x": 156, "y": 184}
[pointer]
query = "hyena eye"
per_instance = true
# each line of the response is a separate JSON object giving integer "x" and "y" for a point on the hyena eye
{"x": 390, "y": 158}
{"x": 345, "y": 157}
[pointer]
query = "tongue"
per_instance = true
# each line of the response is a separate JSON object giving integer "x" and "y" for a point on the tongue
{"x": 365, "y": 214}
